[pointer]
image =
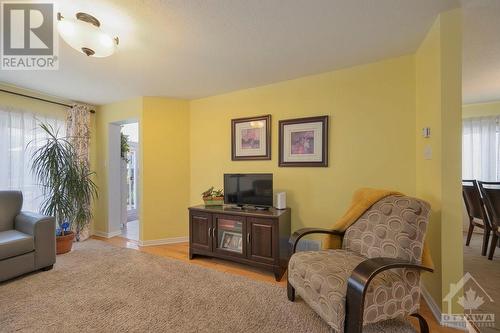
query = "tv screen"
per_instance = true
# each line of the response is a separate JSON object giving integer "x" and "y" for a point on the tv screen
{"x": 252, "y": 189}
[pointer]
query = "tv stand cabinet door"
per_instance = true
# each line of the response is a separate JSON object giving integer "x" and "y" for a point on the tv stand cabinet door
{"x": 229, "y": 235}
{"x": 263, "y": 240}
{"x": 200, "y": 230}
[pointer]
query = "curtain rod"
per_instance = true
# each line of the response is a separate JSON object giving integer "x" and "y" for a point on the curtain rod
{"x": 38, "y": 98}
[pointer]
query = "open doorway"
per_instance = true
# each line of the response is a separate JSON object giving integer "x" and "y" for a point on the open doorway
{"x": 481, "y": 164}
{"x": 129, "y": 176}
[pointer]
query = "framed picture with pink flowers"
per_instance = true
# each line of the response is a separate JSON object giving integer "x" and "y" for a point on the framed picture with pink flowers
{"x": 303, "y": 142}
{"x": 251, "y": 138}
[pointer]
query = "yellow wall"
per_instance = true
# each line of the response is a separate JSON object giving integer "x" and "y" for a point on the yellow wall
{"x": 451, "y": 109}
{"x": 438, "y": 106}
{"x": 105, "y": 115}
{"x": 372, "y": 139}
{"x": 428, "y": 176}
{"x": 481, "y": 110}
{"x": 165, "y": 168}
{"x": 163, "y": 164}
{"x": 32, "y": 105}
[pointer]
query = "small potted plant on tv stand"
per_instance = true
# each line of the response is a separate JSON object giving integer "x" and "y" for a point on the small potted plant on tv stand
{"x": 213, "y": 197}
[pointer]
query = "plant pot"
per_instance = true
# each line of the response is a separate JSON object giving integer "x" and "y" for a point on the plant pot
{"x": 65, "y": 243}
{"x": 214, "y": 201}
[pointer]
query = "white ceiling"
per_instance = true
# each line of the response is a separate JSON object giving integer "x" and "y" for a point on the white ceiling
{"x": 196, "y": 48}
{"x": 481, "y": 58}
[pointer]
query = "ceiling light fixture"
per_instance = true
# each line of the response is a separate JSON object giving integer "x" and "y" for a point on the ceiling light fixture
{"x": 84, "y": 34}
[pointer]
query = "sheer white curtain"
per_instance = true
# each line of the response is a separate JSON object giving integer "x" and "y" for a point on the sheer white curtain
{"x": 17, "y": 129}
{"x": 481, "y": 149}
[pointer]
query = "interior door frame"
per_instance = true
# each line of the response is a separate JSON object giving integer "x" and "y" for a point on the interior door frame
{"x": 113, "y": 168}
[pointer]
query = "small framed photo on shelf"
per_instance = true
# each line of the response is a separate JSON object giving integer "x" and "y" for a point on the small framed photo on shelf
{"x": 231, "y": 241}
{"x": 303, "y": 142}
{"x": 251, "y": 138}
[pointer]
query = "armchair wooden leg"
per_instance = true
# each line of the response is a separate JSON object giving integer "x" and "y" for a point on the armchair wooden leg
{"x": 469, "y": 233}
{"x": 353, "y": 322}
{"x": 493, "y": 246}
{"x": 424, "y": 328}
{"x": 486, "y": 239}
{"x": 290, "y": 292}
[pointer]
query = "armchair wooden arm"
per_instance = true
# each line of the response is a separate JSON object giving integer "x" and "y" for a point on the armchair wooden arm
{"x": 358, "y": 285}
{"x": 297, "y": 235}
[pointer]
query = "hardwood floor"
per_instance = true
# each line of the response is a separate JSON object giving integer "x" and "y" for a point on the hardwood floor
{"x": 180, "y": 251}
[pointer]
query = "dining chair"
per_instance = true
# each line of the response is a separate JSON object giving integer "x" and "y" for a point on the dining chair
{"x": 476, "y": 212}
{"x": 491, "y": 197}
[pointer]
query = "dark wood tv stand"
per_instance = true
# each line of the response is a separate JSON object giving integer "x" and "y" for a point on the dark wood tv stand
{"x": 254, "y": 237}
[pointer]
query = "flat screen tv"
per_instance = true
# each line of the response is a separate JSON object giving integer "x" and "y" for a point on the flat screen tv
{"x": 248, "y": 189}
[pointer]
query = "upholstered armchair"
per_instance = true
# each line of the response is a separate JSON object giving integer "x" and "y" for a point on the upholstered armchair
{"x": 375, "y": 276}
{"x": 27, "y": 240}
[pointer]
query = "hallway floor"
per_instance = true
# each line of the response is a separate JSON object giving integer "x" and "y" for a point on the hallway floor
{"x": 487, "y": 274}
{"x": 131, "y": 231}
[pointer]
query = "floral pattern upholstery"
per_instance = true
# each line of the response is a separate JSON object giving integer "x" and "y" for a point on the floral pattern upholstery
{"x": 394, "y": 227}
{"x": 78, "y": 132}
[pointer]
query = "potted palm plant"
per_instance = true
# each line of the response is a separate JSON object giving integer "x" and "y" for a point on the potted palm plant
{"x": 67, "y": 187}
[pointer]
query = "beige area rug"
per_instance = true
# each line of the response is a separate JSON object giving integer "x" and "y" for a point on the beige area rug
{"x": 487, "y": 274}
{"x": 102, "y": 288}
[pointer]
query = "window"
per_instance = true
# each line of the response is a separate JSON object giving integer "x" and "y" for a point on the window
{"x": 481, "y": 149}
{"x": 17, "y": 130}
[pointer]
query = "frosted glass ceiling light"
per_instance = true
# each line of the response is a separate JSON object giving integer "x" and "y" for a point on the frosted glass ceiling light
{"x": 84, "y": 34}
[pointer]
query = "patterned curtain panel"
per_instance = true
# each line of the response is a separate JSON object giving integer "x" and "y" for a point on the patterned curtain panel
{"x": 78, "y": 132}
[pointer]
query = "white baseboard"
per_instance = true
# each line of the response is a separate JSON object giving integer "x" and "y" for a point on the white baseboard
{"x": 107, "y": 234}
{"x": 163, "y": 241}
{"x": 151, "y": 242}
{"x": 436, "y": 311}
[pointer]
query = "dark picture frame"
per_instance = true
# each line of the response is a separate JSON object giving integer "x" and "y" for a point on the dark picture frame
{"x": 232, "y": 241}
{"x": 303, "y": 142}
{"x": 251, "y": 138}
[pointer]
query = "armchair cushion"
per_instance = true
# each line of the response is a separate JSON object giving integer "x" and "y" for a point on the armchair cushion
{"x": 10, "y": 205}
{"x": 320, "y": 278}
{"x": 14, "y": 243}
{"x": 394, "y": 227}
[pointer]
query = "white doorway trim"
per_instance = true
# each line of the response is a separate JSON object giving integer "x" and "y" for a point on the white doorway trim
{"x": 115, "y": 212}
{"x": 114, "y": 179}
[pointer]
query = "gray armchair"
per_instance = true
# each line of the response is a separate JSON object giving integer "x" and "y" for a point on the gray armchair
{"x": 27, "y": 240}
